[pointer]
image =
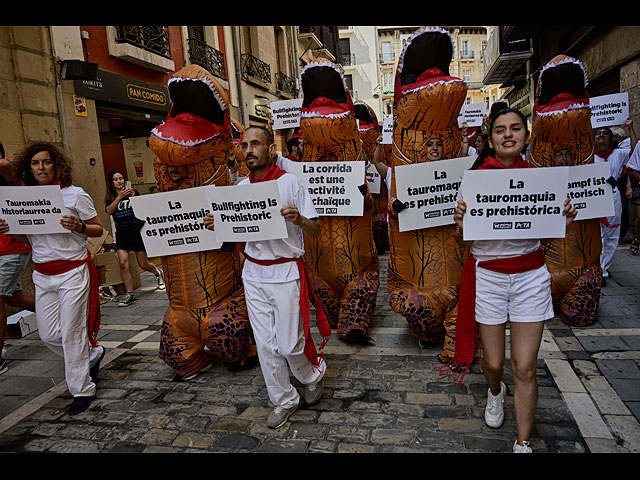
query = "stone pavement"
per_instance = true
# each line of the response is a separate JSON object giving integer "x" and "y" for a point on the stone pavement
{"x": 379, "y": 398}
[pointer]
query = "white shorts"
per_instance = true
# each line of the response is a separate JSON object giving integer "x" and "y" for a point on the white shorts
{"x": 517, "y": 297}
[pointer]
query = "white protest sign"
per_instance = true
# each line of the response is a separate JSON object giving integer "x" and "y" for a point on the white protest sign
{"x": 429, "y": 192}
{"x": 473, "y": 114}
{"x": 373, "y": 178}
{"x": 589, "y": 191}
{"x": 608, "y": 110}
{"x": 286, "y": 113}
{"x": 174, "y": 222}
{"x": 33, "y": 210}
{"x": 387, "y": 131}
{"x": 515, "y": 203}
{"x": 333, "y": 186}
{"x": 249, "y": 212}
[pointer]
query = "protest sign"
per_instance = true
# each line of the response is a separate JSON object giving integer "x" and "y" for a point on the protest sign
{"x": 429, "y": 192}
{"x": 373, "y": 178}
{"x": 387, "y": 131}
{"x": 249, "y": 212}
{"x": 589, "y": 191}
{"x": 174, "y": 222}
{"x": 286, "y": 113}
{"x": 333, "y": 186}
{"x": 473, "y": 114}
{"x": 515, "y": 203}
{"x": 608, "y": 110}
{"x": 33, "y": 210}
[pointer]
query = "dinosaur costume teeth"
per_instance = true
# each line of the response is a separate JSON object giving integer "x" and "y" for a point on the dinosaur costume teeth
{"x": 425, "y": 265}
{"x": 562, "y": 120}
{"x": 206, "y": 296}
{"x": 343, "y": 260}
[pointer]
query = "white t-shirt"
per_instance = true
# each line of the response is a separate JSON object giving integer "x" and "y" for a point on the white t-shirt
{"x": 491, "y": 249}
{"x": 617, "y": 161}
{"x": 65, "y": 246}
{"x": 292, "y": 193}
{"x": 634, "y": 161}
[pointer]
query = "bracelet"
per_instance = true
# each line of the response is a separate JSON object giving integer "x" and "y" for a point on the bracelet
{"x": 84, "y": 227}
{"x": 458, "y": 230}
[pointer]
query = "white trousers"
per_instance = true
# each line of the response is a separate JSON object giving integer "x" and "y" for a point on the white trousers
{"x": 61, "y": 313}
{"x": 274, "y": 313}
{"x": 610, "y": 235}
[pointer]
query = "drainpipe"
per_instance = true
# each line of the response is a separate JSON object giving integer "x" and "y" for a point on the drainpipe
{"x": 237, "y": 60}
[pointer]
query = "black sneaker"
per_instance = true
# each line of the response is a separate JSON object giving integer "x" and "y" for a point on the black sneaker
{"x": 127, "y": 300}
{"x": 80, "y": 404}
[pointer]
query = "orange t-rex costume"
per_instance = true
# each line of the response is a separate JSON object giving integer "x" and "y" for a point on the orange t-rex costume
{"x": 343, "y": 260}
{"x": 369, "y": 130}
{"x": 206, "y": 295}
{"x": 425, "y": 265}
{"x": 236, "y": 133}
{"x": 562, "y": 120}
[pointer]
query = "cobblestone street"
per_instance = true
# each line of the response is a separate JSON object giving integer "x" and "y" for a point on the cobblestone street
{"x": 380, "y": 398}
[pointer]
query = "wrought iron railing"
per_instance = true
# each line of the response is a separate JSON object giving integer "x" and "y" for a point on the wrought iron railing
{"x": 328, "y": 36}
{"x": 286, "y": 84}
{"x": 152, "y": 38}
{"x": 348, "y": 59}
{"x": 207, "y": 57}
{"x": 256, "y": 68}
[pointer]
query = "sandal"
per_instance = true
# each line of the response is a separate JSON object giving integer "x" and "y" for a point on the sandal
{"x": 634, "y": 246}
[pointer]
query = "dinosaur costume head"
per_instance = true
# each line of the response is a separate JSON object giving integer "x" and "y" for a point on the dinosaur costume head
{"x": 562, "y": 117}
{"x": 427, "y": 99}
{"x": 197, "y": 132}
{"x": 327, "y": 121}
{"x": 367, "y": 127}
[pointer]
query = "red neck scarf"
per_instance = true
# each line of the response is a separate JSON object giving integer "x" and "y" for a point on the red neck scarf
{"x": 491, "y": 163}
{"x": 61, "y": 266}
{"x": 466, "y": 342}
{"x": 605, "y": 154}
{"x": 272, "y": 173}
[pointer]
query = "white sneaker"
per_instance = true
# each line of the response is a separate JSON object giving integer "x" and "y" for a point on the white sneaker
{"x": 279, "y": 416}
{"x": 524, "y": 448}
{"x": 160, "y": 280}
{"x": 494, "y": 412}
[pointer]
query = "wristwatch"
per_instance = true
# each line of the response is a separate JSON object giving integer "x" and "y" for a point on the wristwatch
{"x": 84, "y": 227}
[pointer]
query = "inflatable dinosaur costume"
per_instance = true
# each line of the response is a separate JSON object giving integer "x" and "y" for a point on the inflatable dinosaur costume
{"x": 425, "y": 265}
{"x": 236, "y": 133}
{"x": 206, "y": 295}
{"x": 343, "y": 260}
{"x": 562, "y": 120}
{"x": 369, "y": 130}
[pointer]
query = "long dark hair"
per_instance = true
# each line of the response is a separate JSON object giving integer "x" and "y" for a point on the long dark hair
{"x": 62, "y": 164}
{"x": 111, "y": 192}
{"x": 487, "y": 151}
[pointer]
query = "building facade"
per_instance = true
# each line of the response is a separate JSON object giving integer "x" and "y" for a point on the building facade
{"x": 610, "y": 55}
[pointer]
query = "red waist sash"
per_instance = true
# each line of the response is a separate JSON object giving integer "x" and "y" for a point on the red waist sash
{"x": 466, "y": 327}
{"x": 306, "y": 289}
{"x": 61, "y": 266}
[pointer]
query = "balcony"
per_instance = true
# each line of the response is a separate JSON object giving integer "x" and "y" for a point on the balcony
{"x": 324, "y": 38}
{"x": 287, "y": 85}
{"x": 207, "y": 57}
{"x": 144, "y": 45}
{"x": 153, "y": 39}
{"x": 502, "y": 58}
{"x": 255, "y": 70}
{"x": 348, "y": 59}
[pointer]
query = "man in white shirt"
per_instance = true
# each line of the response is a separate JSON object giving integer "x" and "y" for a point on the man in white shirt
{"x": 275, "y": 278}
